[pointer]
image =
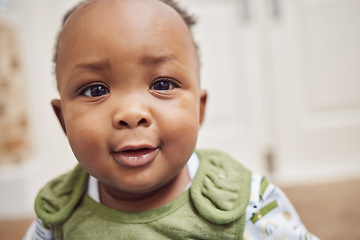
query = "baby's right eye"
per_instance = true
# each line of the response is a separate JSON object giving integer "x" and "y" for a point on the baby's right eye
{"x": 95, "y": 90}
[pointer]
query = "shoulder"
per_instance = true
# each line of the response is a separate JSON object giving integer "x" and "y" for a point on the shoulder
{"x": 221, "y": 188}
{"x": 270, "y": 213}
{"x": 56, "y": 201}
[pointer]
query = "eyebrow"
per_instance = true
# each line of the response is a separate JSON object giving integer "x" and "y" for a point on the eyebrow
{"x": 97, "y": 66}
{"x": 102, "y": 65}
{"x": 156, "y": 60}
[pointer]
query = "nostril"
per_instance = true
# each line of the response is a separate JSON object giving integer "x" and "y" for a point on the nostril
{"x": 132, "y": 122}
{"x": 142, "y": 121}
{"x": 123, "y": 123}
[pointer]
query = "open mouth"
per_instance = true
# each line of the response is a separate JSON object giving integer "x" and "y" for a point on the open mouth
{"x": 136, "y": 157}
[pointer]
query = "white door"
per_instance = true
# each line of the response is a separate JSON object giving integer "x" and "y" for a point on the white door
{"x": 315, "y": 48}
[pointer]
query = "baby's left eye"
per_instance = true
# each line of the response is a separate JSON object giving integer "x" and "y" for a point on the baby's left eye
{"x": 163, "y": 84}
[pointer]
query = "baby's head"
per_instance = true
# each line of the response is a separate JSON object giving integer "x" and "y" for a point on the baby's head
{"x": 130, "y": 100}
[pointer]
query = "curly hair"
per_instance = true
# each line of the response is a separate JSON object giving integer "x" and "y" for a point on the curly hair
{"x": 188, "y": 19}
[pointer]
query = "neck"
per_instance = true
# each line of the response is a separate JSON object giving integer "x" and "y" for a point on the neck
{"x": 136, "y": 202}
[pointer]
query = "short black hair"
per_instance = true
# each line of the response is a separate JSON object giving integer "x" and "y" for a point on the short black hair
{"x": 188, "y": 19}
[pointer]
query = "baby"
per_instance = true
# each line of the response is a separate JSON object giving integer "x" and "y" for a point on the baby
{"x": 131, "y": 106}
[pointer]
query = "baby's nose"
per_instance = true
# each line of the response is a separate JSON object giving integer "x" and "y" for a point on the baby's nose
{"x": 132, "y": 117}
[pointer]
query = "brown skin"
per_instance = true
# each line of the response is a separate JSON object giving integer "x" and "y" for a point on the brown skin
{"x": 130, "y": 81}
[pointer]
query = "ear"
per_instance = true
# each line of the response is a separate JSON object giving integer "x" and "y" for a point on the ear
{"x": 203, "y": 98}
{"x": 56, "y": 104}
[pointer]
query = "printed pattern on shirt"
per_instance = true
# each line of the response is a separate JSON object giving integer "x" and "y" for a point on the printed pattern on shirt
{"x": 270, "y": 215}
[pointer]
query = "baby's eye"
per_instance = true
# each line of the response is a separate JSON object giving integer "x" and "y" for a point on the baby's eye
{"x": 95, "y": 90}
{"x": 163, "y": 84}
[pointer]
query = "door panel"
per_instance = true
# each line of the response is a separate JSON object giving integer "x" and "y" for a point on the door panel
{"x": 316, "y": 52}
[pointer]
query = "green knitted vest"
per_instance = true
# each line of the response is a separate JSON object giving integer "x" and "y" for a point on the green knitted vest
{"x": 213, "y": 208}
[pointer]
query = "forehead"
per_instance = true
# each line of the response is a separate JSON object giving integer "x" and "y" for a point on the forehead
{"x": 127, "y": 23}
{"x": 123, "y": 12}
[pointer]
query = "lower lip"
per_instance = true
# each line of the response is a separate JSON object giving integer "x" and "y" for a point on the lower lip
{"x": 135, "y": 158}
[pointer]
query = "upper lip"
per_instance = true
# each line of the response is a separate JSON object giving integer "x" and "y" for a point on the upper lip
{"x": 135, "y": 147}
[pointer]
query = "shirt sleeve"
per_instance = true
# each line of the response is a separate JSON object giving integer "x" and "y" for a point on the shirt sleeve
{"x": 270, "y": 215}
{"x": 38, "y": 231}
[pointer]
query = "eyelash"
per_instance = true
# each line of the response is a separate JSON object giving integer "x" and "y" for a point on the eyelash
{"x": 171, "y": 82}
{"x": 87, "y": 87}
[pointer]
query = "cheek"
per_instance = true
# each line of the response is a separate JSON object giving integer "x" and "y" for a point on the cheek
{"x": 182, "y": 125}
{"x": 85, "y": 135}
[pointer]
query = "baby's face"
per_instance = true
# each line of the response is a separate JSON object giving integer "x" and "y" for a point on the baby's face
{"x": 130, "y": 103}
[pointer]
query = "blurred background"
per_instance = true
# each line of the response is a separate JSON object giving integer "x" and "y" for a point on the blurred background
{"x": 283, "y": 78}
